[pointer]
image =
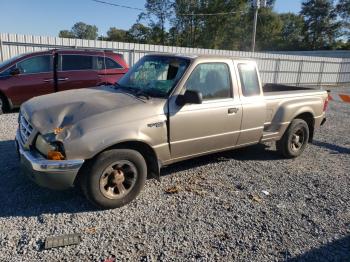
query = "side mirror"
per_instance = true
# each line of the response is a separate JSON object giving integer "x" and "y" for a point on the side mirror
{"x": 15, "y": 71}
{"x": 189, "y": 97}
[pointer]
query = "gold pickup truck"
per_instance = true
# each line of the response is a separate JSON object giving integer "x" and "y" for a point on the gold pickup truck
{"x": 167, "y": 108}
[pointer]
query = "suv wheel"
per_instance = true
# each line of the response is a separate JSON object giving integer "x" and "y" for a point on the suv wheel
{"x": 115, "y": 178}
{"x": 294, "y": 140}
{"x": 2, "y": 105}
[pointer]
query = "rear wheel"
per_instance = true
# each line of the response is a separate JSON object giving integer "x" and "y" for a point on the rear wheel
{"x": 115, "y": 178}
{"x": 294, "y": 140}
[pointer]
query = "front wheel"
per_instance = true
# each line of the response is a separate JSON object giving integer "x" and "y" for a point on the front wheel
{"x": 115, "y": 178}
{"x": 2, "y": 105}
{"x": 294, "y": 140}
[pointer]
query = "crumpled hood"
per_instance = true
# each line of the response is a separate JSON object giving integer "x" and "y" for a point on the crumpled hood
{"x": 69, "y": 108}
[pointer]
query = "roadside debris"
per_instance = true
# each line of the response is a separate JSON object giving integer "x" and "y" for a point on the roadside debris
{"x": 196, "y": 191}
{"x": 90, "y": 230}
{"x": 255, "y": 198}
{"x": 61, "y": 241}
{"x": 172, "y": 190}
{"x": 110, "y": 259}
{"x": 223, "y": 159}
{"x": 266, "y": 193}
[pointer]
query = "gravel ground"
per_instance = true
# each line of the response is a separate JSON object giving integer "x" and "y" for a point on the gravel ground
{"x": 218, "y": 210}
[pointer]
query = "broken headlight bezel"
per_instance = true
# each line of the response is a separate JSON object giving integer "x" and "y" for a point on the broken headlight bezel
{"x": 43, "y": 146}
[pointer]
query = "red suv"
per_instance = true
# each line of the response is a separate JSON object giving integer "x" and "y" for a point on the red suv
{"x": 40, "y": 73}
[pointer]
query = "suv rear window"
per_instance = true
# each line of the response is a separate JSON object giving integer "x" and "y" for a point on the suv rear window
{"x": 76, "y": 62}
{"x": 111, "y": 64}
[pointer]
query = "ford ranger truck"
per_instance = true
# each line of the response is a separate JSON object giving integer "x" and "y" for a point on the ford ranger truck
{"x": 166, "y": 109}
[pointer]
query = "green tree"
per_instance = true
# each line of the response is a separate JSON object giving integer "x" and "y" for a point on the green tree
{"x": 66, "y": 34}
{"x": 321, "y": 28}
{"x": 140, "y": 33}
{"x": 343, "y": 9}
{"x": 269, "y": 30}
{"x": 291, "y": 33}
{"x": 115, "y": 34}
{"x": 81, "y": 30}
{"x": 157, "y": 14}
{"x": 85, "y": 31}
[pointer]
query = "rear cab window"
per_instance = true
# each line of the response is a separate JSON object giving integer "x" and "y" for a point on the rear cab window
{"x": 248, "y": 76}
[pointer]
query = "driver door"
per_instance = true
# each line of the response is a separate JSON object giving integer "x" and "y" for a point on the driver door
{"x": 197, "y": 129}
{"x": 35, "y": 78}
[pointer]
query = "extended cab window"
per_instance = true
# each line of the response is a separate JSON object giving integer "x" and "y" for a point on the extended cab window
{"x": 212, "y": 80}
{"x": 37, "y": 64}
{"x": 249, "y": 80}
{"x": 77, "y": 62}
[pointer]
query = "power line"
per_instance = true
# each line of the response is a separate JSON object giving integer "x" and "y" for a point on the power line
{"x": 117, "y": 5}
{"x": 139, "y": 9}
{"x": 213, "y": 14}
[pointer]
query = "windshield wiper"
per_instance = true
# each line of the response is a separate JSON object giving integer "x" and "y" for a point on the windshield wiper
{"x": 140, "y": 93}
{"x": 135, "y": 91}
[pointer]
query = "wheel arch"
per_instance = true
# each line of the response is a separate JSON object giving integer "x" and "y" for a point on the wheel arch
{"x": 308, "y": 117}
{"x": 150, "y": 156}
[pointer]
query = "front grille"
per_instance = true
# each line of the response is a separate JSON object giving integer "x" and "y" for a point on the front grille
{"x": 25, "y": 129}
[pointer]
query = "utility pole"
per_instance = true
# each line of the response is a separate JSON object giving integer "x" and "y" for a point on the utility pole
{"x": 256, "y": 8}
{"x": 256, "y": 5}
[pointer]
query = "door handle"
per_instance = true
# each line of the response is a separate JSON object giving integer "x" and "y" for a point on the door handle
{"x": 233, "y": 110}
{"x": 63, "y": 79}
{"x": 48, "y": 80}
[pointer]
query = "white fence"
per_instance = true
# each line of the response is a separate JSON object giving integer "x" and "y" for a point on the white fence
{"x": 274, "y": 68}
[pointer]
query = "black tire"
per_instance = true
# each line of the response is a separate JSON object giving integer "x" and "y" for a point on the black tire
{"x": 2, "y": 105}
{"x": 294, "y": 140}
{"x": 109, "y": 173}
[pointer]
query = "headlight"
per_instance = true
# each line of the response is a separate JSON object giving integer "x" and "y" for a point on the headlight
{"x": 53, "y": 150}
{"x": 43, "y": 146}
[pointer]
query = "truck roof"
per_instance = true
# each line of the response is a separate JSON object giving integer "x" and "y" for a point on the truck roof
{"x": 192, "y": 57}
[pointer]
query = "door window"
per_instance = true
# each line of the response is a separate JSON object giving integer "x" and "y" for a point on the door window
{"x": 249, "y": 79}
{"x": 77, "y": 62}
{"x": 212, "y": 80}
{"x": 34, "y": 65}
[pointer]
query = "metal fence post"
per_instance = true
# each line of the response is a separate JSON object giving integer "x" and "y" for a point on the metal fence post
{"x": 1, "y": 51}
{"x": 320, "y": 75}
{"x": 340, "y": 69}
{"x": 133, "y": 56}
{"x": 300, "y": 69}
{"x": 277, "y": 69}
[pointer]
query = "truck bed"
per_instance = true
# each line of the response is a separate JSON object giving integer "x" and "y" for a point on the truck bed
{"x": 281, "y": 88}
{"x": 272, "y": 91}
{"x": 283, "y": 101}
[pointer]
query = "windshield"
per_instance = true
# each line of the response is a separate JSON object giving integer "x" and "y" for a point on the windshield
{"x": 9, "y": 61}
{"x": 154, "y": 76}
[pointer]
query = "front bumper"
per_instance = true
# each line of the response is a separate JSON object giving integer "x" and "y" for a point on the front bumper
{"x": 48, "y": 173}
